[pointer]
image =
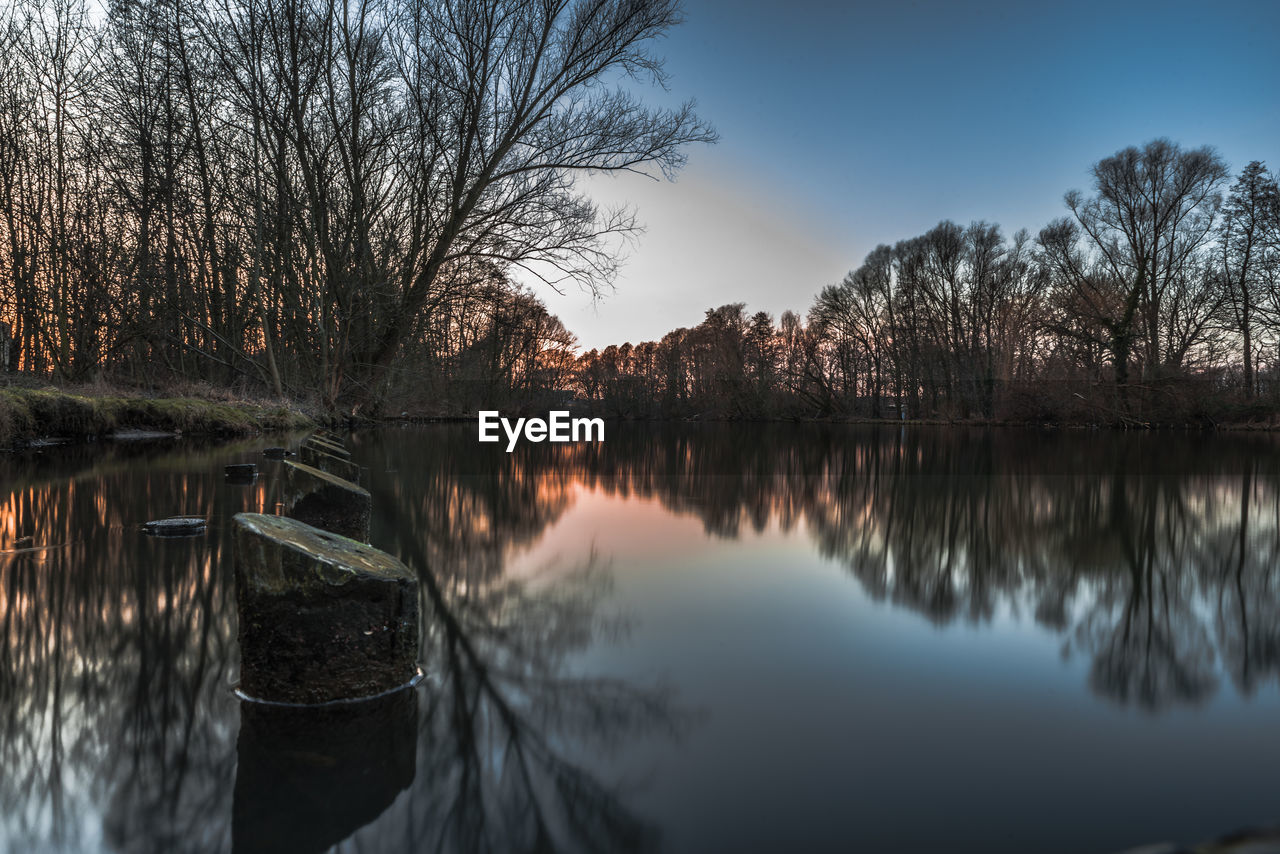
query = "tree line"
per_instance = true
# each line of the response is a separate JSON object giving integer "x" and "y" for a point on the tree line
{"x": 301, "y": 195}
{"x": 1156, "y": 300}
{"x": 336, "y": 200}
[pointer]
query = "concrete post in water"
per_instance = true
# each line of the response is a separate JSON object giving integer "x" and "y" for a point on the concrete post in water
{"x": 328, "y": 447}
{"x": 326, "y": 439}
{"x": 322, "y": 617}
{"x": 176, "y": 526}
{"x": 316, "y": 458}
{"x": 326, "y": 501}
{"x": 327, "y": 436}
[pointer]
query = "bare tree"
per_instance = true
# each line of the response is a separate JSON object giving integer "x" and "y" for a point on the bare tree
{"x": 504, "y": 103}
{"x": 1130, "y": 243}
{"x": 1246, "y": 247}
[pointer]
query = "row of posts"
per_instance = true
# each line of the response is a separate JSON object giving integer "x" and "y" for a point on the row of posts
{"x": 324, "y": 616}
{"x": 325, "y": 619}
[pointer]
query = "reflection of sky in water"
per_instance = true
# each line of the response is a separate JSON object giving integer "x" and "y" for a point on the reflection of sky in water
{"x": 830, "y": 717}
{"x": 826, "y": 707}
{"x": 811, "y": 638}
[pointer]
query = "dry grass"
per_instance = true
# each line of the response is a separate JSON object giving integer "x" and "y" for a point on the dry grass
{"x": 30, "y": 413}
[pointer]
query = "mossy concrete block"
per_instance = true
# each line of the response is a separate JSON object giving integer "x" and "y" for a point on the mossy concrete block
{"x": 322, "y": 617}
{"x": 316, "y": 458}
{"x": 326, "y": 501}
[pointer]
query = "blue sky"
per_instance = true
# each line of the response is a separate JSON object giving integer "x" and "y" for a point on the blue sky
{"x": 847, "y": 125}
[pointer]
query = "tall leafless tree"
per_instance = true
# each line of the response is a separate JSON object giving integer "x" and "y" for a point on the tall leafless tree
{"x": 1129, "y": 244}
{"x": 1247, "y": 245}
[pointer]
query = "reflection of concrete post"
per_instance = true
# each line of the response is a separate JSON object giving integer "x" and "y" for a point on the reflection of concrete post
{"x": 322, "y": 617}
{"x": 310, "y": 776}
{"x": 323, "y": 500}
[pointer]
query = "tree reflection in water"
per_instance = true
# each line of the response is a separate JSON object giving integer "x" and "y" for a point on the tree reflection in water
{"x": 113, "y": 658}
{"x": 120, "y": 730}
{"x": 1153, "y": 556}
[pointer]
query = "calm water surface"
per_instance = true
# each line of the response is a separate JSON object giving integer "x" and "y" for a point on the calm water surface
{"x": 687, "y": 639}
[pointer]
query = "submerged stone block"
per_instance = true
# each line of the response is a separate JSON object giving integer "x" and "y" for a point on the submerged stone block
{"x": 322, "y": 617}
{"x": 325, "y": 461}
{"x": 326, "y": 501}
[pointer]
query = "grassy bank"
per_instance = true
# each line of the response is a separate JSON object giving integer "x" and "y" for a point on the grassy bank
{"x": 27, "y": 414}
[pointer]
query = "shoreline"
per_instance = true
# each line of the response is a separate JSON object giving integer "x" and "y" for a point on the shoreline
{"x": 34, "y": 417}
{"x": 37, "y": 416}
{"x": 1143, "y": 427}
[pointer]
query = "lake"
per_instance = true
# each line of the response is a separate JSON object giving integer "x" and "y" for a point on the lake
{"x": 687, "y": 638}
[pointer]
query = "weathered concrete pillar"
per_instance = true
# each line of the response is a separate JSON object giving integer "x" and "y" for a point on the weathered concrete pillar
{"x": 316, "y": 458}
{"x": 308, "y": 777}
{"x": 325, "y": 500}
{"x": 322, "y": 617}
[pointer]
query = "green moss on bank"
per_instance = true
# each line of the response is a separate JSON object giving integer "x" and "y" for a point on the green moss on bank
{"x": 27, "y": 414}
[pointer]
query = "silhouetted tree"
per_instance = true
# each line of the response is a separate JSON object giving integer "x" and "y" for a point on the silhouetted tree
{"x": 1249, "y": 238}
{"x": 1130, "y": 248}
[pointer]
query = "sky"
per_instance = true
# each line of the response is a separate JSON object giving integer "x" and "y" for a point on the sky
{"x": 847, "y": 125}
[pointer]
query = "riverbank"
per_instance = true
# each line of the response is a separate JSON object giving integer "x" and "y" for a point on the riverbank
{"x": 32, "y": 414}
{"x": 1266, "y": 426}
